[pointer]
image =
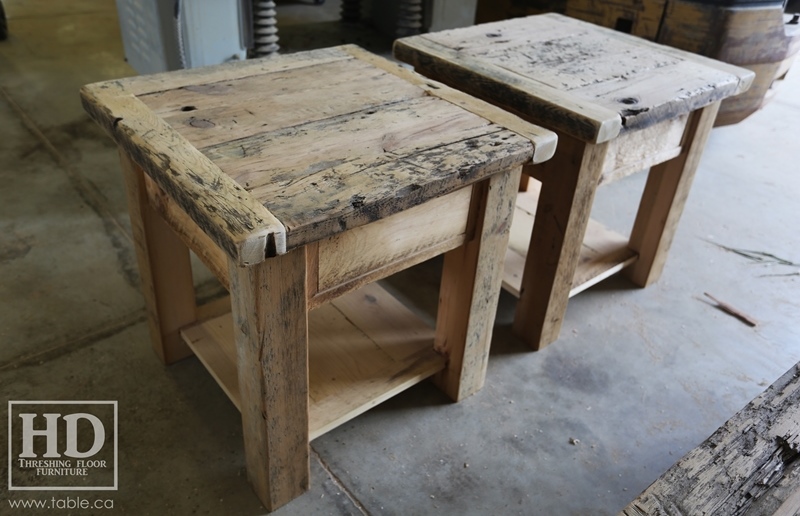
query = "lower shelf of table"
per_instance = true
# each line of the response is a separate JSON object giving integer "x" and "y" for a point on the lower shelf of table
{"x": 363, "y": 348}
{"x": 603, "y": 252}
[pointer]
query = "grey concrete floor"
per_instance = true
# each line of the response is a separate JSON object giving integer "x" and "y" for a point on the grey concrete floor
{"x": 638, "y": 377}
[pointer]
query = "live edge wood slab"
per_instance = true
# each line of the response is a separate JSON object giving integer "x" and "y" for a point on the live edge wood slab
{"x": 619, "y": 104}
{"x": 299, "y": 181}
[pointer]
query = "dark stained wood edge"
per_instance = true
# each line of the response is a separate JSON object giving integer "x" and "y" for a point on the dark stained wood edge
{"x": 239, "y": 224}
{"x": 738, "y": 464}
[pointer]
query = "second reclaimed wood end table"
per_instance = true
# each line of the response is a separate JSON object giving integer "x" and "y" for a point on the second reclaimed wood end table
{"x": 300, "y": 181}
{"x": 619, "y": 104}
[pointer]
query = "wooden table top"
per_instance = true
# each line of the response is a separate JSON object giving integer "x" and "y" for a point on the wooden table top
{"x": 589, "y": 82}
{"x": 270, "y": 154}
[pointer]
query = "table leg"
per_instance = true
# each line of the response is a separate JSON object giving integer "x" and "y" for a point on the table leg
{"x": 569, "y": 181}
{"x": 663, "y": 200}
{"x": 271, "y": 333}
{"x": 470, "y": 288}
{"x": 165, "y": 270}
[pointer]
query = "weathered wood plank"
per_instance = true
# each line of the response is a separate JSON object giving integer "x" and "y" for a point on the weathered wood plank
{"x": 146, "y": 84}
{"x": 543, "y": 140}
{"x": 311, "y": 149}
{"x": 165, "y": 271}
{"x": 738, "y": 464}
{"x": 211, "y": 114}
{"x": 271, "y": 334}
{"x": 470, "y": 288}
{"x": 391, "y": 122}
{"x": 242, "y": 227}
{"x": 347, "y": 194}
{"x": 547, "y": 106}
{"x": 573, "y": 76}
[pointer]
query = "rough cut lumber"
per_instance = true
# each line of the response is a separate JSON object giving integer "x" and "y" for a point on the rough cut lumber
{"x": 270, "y": 323}
{"x": 738, "y": 465}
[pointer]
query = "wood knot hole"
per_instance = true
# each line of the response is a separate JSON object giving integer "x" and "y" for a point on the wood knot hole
{"x": 188, "y": 108}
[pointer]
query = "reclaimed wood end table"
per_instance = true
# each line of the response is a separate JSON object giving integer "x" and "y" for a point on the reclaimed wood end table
{"x": 619, "y": 104}
{"x": 299, "y": 181}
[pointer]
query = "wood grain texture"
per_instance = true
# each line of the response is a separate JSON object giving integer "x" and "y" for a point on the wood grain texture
{"x": 271, "y": 334}
{"x": 190, "y": 233}
{"x": 515, "y": 92}
{"x": 663, "y": 199}
{"x": 543, "y": 140}
{"x": 634, "y": 151}
{"x": 242, "y": 227}
{"x": 602, "y": 254}
{"x": 737, "y": 465}
{"x": 363, "y": 348}
{"x": 569, "y": 182}
{"x": 165, "y": 271}
{"x": 470, "y": 288}
{"x": 146, "y": 84}
{"x": 273, "y": 155}
{"x": 225, "y": 111}
{"x": 362, "y": 250}
{"x": 573, "y": 76}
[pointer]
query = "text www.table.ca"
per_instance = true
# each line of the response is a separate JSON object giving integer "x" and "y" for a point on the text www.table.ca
{"x": 62, "y": 503}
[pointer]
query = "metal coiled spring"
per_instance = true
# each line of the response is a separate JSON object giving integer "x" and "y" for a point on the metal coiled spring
{"x": 409, "y": 18}
{"x": 265, "y": 30}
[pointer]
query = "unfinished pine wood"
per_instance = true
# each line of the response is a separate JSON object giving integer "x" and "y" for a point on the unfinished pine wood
{"x": 470, "y": 287}
{"x": 569, "y": 182}
{"x": 190, "y": 233}
{"x": 270, "y": 326}
{"x": 355, "y": 253}
{"x": 663, "y": 199}
{"x": 364, "y": 348}
{"x": 603, "y": 252}
{"x": 165, "y": 271}
{"x": 569, "y": 75}
{"x": 737, "y": 465}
